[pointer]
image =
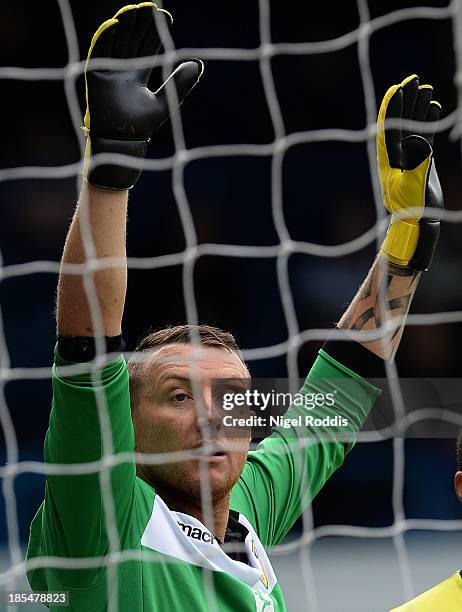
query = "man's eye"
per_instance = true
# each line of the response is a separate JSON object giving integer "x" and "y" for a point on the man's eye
{"x": 180, "y": 397}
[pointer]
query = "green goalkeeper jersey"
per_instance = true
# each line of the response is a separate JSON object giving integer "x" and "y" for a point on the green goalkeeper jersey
{"x": 186, "y": 568}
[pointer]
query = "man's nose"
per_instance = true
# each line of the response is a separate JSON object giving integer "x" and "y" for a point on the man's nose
{"x": 208, "y": 412}
{"x": 204, "y": 406}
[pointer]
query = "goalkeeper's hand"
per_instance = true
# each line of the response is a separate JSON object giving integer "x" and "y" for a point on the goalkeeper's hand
{"x": 122, "y": 112}
{"x": 408, "y": 177}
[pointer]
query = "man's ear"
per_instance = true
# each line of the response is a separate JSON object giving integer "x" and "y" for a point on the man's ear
{"x": 458, "y": 485}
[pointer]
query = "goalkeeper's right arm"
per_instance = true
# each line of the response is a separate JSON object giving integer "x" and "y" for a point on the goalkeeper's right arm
{"x": 122, "y": 113}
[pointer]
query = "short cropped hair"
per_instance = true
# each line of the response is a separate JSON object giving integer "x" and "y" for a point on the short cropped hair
{"x": 178, "y": 334}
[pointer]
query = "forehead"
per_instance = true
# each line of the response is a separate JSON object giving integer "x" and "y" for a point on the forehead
{"x": 186, "y": 361}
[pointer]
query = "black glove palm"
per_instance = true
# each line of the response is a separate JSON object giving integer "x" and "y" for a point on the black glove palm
{"x": 122, "y": 112}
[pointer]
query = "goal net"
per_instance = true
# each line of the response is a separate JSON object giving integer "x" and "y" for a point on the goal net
{"x": 269, "y": 198}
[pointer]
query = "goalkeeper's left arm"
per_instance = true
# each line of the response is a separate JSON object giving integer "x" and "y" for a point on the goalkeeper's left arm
{"x": 292, "y": 465}
{"x": 410, "y": 185}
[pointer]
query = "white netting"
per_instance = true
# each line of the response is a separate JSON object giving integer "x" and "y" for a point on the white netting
{"x": 193, "y": 251}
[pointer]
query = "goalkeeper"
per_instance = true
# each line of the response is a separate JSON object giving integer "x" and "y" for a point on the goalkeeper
{"x": 256, "y": 497}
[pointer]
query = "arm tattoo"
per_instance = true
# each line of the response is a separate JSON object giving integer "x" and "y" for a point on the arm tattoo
{"x": 386, "y": 293}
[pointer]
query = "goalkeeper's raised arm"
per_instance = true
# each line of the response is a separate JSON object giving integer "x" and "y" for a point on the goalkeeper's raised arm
{"x": 412, "y": 194}
{"x": 122, "y": 114}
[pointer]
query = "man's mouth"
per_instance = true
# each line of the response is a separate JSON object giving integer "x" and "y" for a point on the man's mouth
{"x": 202, "y": 452}
{"x": 216, "y": 457}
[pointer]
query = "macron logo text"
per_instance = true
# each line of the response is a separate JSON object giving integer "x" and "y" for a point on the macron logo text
{"x": 197, "y": 534}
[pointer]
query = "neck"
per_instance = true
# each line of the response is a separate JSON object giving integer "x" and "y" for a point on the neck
{"x": 216, "y": 523}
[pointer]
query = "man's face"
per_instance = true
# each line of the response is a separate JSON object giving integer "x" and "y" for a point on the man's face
{"x": 166, "y": 418}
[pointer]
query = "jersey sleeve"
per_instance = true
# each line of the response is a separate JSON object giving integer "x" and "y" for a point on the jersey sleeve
{"x": 73, "y": 514}
{"x": 288, "y": 468}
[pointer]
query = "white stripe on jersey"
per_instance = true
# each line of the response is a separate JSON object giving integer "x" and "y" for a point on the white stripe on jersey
{"x": 185, "y": 538}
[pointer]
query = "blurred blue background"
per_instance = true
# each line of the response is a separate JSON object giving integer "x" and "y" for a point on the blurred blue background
{"x": 327, "y": 199}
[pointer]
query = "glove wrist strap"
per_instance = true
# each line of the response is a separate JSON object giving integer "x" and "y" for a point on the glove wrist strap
{"x": 411, "y": 245}
{"x": 401, "y": 241}
{"x": 111, "y": 176}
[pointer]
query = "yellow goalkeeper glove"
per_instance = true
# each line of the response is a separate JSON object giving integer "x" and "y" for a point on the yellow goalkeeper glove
{"x": 408, "y": 177}
{"x": 122, "y": 112}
